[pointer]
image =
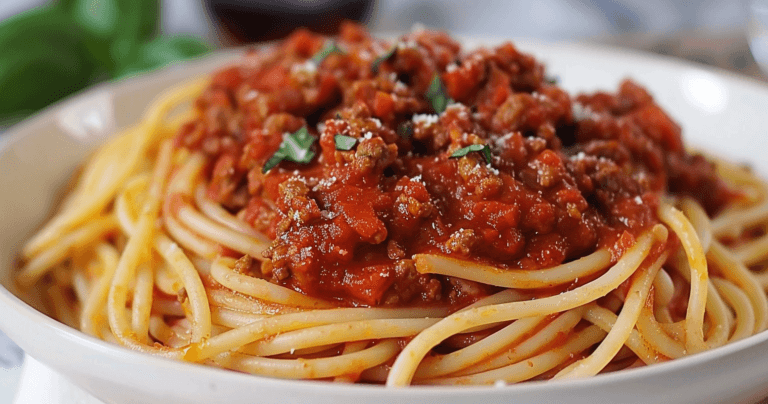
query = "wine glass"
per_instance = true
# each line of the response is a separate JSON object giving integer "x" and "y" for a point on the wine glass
{"x": 758, "y": 32}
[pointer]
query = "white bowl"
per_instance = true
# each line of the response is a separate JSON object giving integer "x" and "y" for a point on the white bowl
{"x": 719, "y": 112}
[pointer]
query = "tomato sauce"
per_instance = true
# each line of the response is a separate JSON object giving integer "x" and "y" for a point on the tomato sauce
{"x": 566, "y": 175}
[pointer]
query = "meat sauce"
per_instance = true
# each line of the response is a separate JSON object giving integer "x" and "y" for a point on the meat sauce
{"x": 566, "y": 175}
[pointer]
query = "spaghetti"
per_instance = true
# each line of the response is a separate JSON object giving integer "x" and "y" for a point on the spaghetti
{"x": 360, "y": 211}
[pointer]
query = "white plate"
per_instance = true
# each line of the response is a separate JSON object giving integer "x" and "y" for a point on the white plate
{"x": 719, "y": 112}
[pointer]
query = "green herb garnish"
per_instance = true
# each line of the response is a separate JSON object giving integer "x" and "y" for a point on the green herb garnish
{"x": 329, "y": 48}
{"x": 405, "y": 129}
{"x": 296, "y": 147}
{"x": 344, "y": 143}
{"x": 383, "y": 58}
{"x": 552, "y": 79}
{"x": 474, "y": 148}
{"x": 437, "y": 94}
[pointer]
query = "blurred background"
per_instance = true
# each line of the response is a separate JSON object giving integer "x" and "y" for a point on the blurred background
{"x": 49, "y": 49}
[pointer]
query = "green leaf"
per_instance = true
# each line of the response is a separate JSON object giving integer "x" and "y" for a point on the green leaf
{"x": 296, "y": 147}
{"x": 42, "y": 60}
{"x": 405, "y": 129}
{"x": 99, "y": 17}
{"x": 329, "y": 48}
{"x": 115, "y": 29}
{"x": 552, "y": 80}
{"x": 272, "y": 162}
{"x": 28, "y": 31}
{"x": 344, "y": 143}
{"x": 299, "y": 146}
{"x": 110, "y": 19}
{"x": 483, "y": 148}
{"x": 437, "y": 94}
{"x": 33, "y": 81}
{"x": 163, "y": 51}
{"x": 383, "y": 58}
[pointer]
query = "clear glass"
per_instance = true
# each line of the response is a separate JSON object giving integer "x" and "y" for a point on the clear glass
{"x": 758, "y": 32}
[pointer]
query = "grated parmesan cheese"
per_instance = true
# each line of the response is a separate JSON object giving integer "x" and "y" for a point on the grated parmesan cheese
{"x": 426, "y": 119}
{"x": 308, "y": 67}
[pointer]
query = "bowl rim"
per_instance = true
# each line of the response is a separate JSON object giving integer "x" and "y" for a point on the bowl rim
{"x": 9, "y": 301}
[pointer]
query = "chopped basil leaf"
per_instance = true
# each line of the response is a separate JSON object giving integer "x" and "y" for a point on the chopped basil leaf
{"x": 474, "y": 148}
{"x": 272, "y": 162}
{"x": 344, "y": 142}
{"x": 296, "y": 147}
{"x": 383, "y": 58}
{"x": 405, "y": 129}
{"x": 329, "y": 48}
{"x": 437, "y": 94}
{"x": 552, "y": 79}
